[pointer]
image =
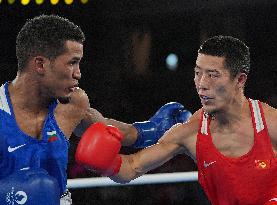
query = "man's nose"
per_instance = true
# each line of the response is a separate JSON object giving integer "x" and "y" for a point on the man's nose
{"x": 203, "y": 82}
{"x": 77, "y": 74}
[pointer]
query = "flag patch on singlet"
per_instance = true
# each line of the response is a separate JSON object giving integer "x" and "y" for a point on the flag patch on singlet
{"x": 52, "y": 136}
{"x": 262, "y": 164}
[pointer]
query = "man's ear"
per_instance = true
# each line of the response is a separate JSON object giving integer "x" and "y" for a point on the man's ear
{"x": 242, "y": 77}
{"x": 40, "y": 64}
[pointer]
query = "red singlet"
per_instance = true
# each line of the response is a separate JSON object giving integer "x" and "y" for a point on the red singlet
{"x": 247, "y": 180}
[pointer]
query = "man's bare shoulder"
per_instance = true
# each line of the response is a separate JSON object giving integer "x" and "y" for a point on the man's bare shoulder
{"x": 270, "y": 114}
{"x": 184, "y": 135}
{"x": 182, "y": 132}
{"x": 78, "y": 104}
{"x": 70, "y": 114}
{"x": 80, "y": 98}
{"x": 191, "y": 127}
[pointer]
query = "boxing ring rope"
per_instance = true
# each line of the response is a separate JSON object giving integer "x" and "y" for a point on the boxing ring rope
{"x": 145, "y": 179}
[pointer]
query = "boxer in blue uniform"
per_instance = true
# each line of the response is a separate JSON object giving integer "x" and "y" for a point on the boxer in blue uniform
{"x": 42, "y": 106}
{"x": 22, "y": 151}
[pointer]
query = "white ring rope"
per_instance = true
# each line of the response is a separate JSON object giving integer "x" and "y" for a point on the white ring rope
{"x": 145, "y": 179}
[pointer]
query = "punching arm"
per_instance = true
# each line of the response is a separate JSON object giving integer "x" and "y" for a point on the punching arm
{"x": 140, "y": 134}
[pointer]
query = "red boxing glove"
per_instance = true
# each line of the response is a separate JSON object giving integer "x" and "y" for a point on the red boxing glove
{"x": 99, "y": 149}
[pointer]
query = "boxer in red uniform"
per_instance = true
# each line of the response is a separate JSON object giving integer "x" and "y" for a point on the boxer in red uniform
{"x": 232, "y": 138}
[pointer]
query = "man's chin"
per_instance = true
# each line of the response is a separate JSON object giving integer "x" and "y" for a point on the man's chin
{"x": 64, "y": 100}
{"x": 209, "y": 110}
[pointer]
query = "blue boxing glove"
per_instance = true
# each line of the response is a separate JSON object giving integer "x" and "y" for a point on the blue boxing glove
{"x": 149, "y": 132}
{"x": 29, "y": 187}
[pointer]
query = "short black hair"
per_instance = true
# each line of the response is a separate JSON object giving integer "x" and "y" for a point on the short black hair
{"x": 45, "y": 35}
{"x": 235, "y": 52}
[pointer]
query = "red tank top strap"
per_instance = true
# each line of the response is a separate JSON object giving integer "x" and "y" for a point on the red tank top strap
{"x": 260, "y": 127}
{"x": 204, "y": 124}
{"x": 257, "y": 113}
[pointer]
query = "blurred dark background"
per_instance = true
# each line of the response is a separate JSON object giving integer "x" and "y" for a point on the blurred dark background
{"x": 124, "y": 69}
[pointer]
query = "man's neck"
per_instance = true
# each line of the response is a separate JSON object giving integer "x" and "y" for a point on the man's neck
{"x": 25, "y": 93}
{"x": 234, "y": 113}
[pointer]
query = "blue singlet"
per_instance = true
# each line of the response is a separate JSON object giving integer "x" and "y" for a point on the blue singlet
{"x": 21, "y": 151}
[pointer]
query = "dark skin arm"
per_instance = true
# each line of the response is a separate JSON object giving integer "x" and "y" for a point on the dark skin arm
{"x": 92, "y": 115}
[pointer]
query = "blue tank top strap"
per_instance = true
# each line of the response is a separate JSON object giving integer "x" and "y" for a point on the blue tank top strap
{"x": 52, "y": 107}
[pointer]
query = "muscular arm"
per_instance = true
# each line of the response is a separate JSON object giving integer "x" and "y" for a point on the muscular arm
{"x": 152, "y": 157}
{"x": 139, "y": 134}
{"x": 181, "y": 138}
{"x": 93, "y": 115}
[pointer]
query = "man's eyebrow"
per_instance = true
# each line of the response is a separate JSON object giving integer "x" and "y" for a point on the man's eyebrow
{"x": 212, "y": 70}
{"x": 196, "y": 66}
{"x": 208, "y": 70}
{"x": 76, "y": 58}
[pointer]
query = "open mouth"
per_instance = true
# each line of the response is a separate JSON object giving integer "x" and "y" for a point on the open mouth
{"x": 205, "y": 99}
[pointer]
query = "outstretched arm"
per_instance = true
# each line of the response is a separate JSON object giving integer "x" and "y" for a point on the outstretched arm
{"x": 145, "y": 160}
{"x": 92, "y": 116}
{"x": 174, "y": 142}
{"x": 140, "y": 134}
{"x": 100, "y": 145}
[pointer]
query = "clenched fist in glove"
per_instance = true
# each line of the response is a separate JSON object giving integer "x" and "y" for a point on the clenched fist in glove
{"x": 99, "y": 149}
{"x": 149, "y": 132}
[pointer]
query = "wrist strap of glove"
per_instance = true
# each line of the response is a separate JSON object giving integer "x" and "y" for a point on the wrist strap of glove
{"x": 146, "y": 134}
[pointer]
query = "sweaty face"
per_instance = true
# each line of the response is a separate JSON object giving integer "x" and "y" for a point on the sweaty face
{"x": 213, "y": 83}
{"x": 63, "y": 73}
